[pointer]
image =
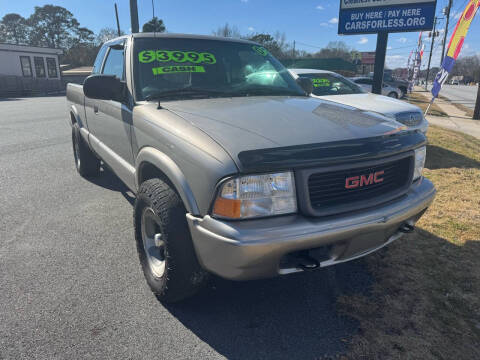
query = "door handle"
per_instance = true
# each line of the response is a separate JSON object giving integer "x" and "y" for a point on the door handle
{"x": 95, "y": 109}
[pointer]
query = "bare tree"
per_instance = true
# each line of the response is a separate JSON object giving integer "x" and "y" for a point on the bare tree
{"x": 227, "y": 31}
{"x": 106, "y": 34}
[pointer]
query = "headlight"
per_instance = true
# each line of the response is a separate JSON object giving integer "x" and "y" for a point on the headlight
{"x": 420, "y": 155}
{"x": 256, "y": 196}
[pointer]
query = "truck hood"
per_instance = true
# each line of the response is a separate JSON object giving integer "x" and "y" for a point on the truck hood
{"x": 249, "y": 123}
{"x": 372, "y": 102}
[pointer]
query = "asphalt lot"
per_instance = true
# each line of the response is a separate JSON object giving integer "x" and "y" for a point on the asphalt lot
{"x": 71, "y": 285}
{"x": 461, "y": 94}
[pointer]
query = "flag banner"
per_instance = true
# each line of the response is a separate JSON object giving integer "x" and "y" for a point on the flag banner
{"x": 455, "y": 45}
{"x": 417, "y": 62}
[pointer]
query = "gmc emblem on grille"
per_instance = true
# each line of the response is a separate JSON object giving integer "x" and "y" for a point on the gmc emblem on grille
{"x": 364, "y": 180}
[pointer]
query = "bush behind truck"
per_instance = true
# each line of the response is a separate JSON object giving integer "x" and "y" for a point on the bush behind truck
{"x": 237, "y": 171}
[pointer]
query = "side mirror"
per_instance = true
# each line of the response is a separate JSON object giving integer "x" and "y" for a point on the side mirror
{"x": 306, "y": 84}
{"x": 104, "y": 87}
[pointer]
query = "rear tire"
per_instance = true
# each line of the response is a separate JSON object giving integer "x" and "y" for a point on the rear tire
{"x": 393, "y": 95}
{"x": 164, "y": 244}
{"x": 86, "y": 163}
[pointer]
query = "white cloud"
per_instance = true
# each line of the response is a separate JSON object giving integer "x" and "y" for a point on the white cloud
{"x": 362, "y": 41}
{"x": 402, "y": 40}
{"x": 320, "y": 7}
{"x": 396, "y": 61}
{"x": 333, "y": 20}
{"x": 323, "y": 24}
{"x": 251, "y": 28}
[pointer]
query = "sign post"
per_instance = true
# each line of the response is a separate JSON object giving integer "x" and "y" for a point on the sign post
{"x": 382, "y": 17}
{"x": 381, "y": 51}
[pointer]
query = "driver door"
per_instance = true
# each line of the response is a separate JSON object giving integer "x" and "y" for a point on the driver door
{"x": 110, "y": 122}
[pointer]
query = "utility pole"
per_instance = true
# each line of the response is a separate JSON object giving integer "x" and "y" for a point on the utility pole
{"x": 476, "y": 112}
{"x": 431, "y": 50}
{"x": 380, "y": 52}
{"x": 294, "y": 56}
{"x": 134, "y": 16}
{"x": 118, "y": 23}
{"x": 445, "y": 33}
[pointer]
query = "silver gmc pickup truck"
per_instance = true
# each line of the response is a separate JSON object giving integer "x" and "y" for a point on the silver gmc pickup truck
{"x": 237, "y": 171}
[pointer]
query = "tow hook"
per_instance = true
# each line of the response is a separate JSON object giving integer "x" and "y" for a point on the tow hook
{"x": 406, "y": 228}
{"x": 306, "y": 262}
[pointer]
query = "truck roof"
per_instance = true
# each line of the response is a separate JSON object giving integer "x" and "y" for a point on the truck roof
{"x": 181, "y": 36}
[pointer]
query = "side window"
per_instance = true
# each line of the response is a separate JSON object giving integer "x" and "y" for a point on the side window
{"x": 97, "y": 65}
{"x": 39, "y": 67}
{"x": 364, "y": 81}
{"x": 26, "y": 66}
{"x": 114, "y": 63}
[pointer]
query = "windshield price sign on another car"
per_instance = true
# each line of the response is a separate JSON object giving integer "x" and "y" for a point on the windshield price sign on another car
{"x": 373, "y": 16}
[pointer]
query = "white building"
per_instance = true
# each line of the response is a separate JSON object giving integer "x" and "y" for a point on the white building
{"x": 28, "y": 70}
{"x": 29, "y": 61}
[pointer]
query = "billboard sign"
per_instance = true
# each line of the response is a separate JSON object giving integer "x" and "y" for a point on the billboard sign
{"x": 373, "y": 16}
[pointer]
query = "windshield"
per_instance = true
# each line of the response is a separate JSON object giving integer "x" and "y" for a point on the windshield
{"x": 331, "y": 84}
{"x": 187, "y": 68}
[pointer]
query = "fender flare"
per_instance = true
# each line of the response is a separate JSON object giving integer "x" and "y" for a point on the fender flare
{"x": 78, "y": 119}
{"x": 166, "y": 165}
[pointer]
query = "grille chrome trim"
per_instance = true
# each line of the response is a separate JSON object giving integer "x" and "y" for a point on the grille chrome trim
{"x": 409, "y": 118}
{"x": 302, "y": 177}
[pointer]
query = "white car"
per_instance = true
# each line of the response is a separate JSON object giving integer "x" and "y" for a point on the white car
{"x": 334, "y": 87}
{"x": 366, "y": 83}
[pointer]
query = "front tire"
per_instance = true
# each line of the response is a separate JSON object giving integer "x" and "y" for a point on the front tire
{"x": 164, "y": 243}
{"x": 393, "y": 95}
{"x": 86, "y": 163}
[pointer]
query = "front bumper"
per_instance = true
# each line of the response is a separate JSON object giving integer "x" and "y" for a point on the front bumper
{"x": 251, "y": 249}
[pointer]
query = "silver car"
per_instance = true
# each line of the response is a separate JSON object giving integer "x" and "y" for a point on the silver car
{"x": 334, "y": 87}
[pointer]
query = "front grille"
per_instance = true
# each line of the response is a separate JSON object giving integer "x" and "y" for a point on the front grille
{"x": 328, "y": 194}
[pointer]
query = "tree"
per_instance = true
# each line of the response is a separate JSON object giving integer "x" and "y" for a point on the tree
{"x": 14, "y": 29}
{"x": 227, "y": 31}
{"x": 335, "y": 49}
{"x": 55, "y": 26}
{"x": 154, "y": 25}
{"x": 276, "y": 44}
{"x": 106, "y": 34}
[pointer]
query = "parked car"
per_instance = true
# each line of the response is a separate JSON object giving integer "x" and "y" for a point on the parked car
{"x": 394, "y": 82}
{"x": 367, "y": 83}
{"x": 334, "y": 87}
{"x": 236, "y": 170}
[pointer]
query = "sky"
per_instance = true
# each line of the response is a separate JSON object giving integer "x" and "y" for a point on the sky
{"x": 312, "y": 24}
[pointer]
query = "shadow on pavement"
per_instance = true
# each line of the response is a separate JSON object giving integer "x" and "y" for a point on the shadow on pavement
{"x": 108, "y": 180}
{"x": 448, "y": 159}
{"x": 290, "y": 317}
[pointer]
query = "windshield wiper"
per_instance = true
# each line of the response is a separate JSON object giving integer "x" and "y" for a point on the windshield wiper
{"x": 265, "y": 90}
{"x": 182, "y": 91}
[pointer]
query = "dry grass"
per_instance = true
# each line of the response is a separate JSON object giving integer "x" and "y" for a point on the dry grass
{"x": 425, "y": 302}
{"x": 422, "y": 102}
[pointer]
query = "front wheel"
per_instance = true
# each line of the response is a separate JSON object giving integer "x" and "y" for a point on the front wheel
{"x": 393, "y": 95}
{"x": 164, "y": 243}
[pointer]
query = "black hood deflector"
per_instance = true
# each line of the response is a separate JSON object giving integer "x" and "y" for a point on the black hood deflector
{"x": 331, "y": 153}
